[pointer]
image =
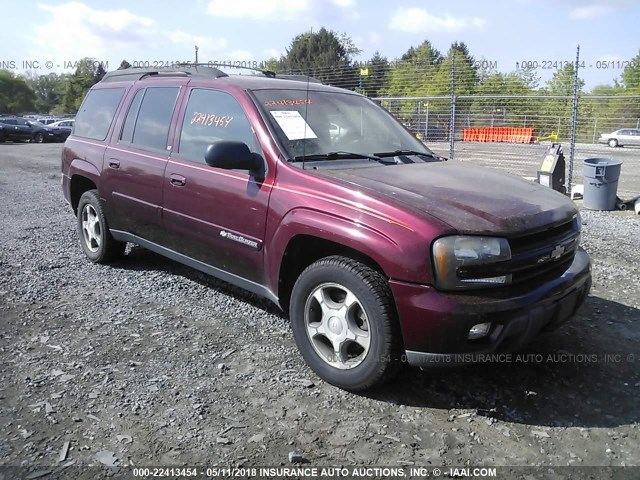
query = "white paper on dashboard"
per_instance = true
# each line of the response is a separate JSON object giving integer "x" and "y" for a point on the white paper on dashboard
{"x": 293, "y": 124}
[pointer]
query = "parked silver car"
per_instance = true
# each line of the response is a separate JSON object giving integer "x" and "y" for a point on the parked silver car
{"x": 619, "y": 138}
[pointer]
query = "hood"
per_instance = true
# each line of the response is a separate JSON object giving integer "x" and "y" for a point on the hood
{"x": 469, "y": 198}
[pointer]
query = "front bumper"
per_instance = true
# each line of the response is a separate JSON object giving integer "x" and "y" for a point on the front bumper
{"x": 435, "y": 324}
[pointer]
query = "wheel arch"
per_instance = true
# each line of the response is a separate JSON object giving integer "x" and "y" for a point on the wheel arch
{"x": 83, "y": 176}
{"x": 305, "y": 236}
{"x": 78, "y": 185}
{"x": 302, "y": 250}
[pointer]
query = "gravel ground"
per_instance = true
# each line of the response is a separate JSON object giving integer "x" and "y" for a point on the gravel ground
{"x": 146, "y": 362}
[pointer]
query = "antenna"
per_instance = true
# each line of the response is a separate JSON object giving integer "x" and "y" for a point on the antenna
{"x": 306, "y": 103}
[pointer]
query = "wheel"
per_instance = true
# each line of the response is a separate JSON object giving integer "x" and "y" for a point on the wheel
{"x": 38, "y": 137}
{"x": 344, "y": 323}
{"x": 98, "y": 244}
{"x": 613, "y": 142}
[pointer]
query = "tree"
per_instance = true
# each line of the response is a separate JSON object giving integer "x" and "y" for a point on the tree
{"x": 631, "y": 76}
{"x": 414, "y": 70}
{"x": 49, "y": 90}
{"x": 88, "y": 73}
{"x": 425, "y": 55}
{"x": 562, "y": 81}
{"x": 485, "y": 69}
{"x": 349, "y": 45}
{"x": 562, "y": 84}
{"x": 489, "y": 108}
{"x": 465, "y": 76}
{"x": 15, "y": 94}
{"x": 465, "y": 68}
{"x": 324, "y": 55}
{"x": 376, "y": 81}
{"x": 124, "y": 64}
{"x": 528, "y": 74}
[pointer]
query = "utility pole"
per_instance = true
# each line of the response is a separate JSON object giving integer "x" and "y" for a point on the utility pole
{"x": 196, "y": 47}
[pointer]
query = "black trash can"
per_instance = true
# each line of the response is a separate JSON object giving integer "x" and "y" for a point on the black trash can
{"x": 601, "y": 183}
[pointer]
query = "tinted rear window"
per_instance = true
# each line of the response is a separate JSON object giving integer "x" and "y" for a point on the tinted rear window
{"x": 96, "y": 113}
{"x": 154, "y": 117}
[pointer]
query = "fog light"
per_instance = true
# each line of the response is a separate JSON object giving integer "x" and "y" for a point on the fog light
{"x": 478, "y": 331}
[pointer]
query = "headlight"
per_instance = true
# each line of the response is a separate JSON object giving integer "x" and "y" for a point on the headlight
{"x": 578, "y": 222}
{"x": 452, "y": 254}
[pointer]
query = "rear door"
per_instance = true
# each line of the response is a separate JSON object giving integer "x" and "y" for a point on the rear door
{"x": 625, "y": 138}
{"x": 214, "y": 215}
{"x": 24, "y": 130}
{"x": 136, "y": 159}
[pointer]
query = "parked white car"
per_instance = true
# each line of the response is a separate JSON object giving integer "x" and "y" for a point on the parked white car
{"x": 68, "y": 123}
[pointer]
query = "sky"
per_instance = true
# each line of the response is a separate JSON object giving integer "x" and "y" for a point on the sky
{"x": 51, "y": 35}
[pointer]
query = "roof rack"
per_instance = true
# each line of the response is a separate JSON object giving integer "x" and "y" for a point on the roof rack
{"x": 263, "y": 71}
{"x": 203, "y": 70}
{"x": 187, "y": 70}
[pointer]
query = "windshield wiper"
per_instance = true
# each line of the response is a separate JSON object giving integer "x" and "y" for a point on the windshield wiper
{"x": 341, "y": 155}
{"x": 406, "y": 152}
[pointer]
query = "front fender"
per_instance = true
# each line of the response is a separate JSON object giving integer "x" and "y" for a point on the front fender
{"x": 403, "y": 256}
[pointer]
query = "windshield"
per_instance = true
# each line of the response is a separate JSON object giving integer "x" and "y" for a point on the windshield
{"x": 317, "y": 123}
{"x": 36, "y": 124}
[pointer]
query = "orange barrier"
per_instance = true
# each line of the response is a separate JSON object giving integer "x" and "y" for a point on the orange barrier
{"x": 498, "y": 134}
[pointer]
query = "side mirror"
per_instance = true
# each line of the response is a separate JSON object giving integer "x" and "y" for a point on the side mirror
{"x": 234, "y": 155}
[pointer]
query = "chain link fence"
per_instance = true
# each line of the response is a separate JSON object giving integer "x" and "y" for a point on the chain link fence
{"x": 470, "y": 112}
{"x": 526, "y": 125}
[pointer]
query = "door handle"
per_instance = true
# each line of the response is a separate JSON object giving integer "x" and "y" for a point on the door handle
{"x": 113, "y": 163}
{"x": 177, "y": 180}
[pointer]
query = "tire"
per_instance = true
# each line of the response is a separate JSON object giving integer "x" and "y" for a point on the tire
{"x": 354, "y": 348}
{"x": 613, "y": 142}
{"x": 38, "y": 138}
{"x": 96, "y": 240}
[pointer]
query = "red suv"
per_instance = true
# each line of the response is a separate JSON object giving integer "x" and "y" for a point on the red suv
{"x": 317, "y": 198}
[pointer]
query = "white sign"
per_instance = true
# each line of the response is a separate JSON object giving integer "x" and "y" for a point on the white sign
{"x": 293, "y": 124}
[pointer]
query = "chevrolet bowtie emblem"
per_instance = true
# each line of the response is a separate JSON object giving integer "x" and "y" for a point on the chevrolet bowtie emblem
{"x": 557, "y": 252}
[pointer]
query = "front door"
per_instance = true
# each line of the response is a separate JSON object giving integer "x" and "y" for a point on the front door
{"x": 213, "y": 215}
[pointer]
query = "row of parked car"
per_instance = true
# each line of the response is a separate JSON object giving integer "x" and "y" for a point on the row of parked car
{"x": 29, "y": 129}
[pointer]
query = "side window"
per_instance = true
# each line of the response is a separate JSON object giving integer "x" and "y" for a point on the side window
{"x": 22, "y": 122}
{"x": 129, "y": 123}
{"x": 10, "y": 121}
{"x": 211, "y": 116}
{"x": 96, "y": 113}
{"x": 154, "y": 118}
